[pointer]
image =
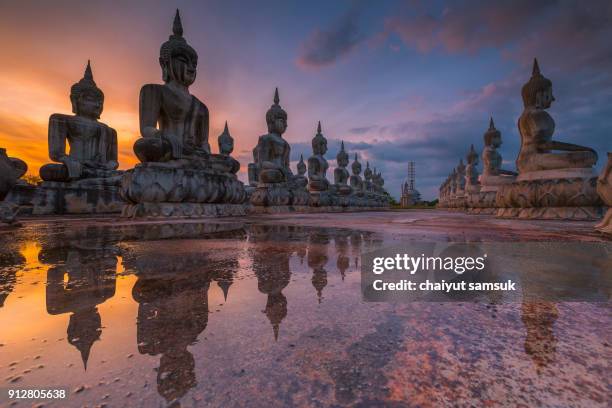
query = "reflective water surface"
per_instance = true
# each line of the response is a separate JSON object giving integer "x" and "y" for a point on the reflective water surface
{"x": 247, "y": 314}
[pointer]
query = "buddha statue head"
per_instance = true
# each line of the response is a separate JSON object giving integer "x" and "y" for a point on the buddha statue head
{"x": 472, "y": 157}
{"x": 492, "y": 136}
{"x": 177, "y": 59}
{"x": 86, "y": 98}
{"x": 537, "y": 92}
{"x": 356, "y": 166}
{"x": 319, "y": 143}
{"x": 276, "y": 117}
{"x": 301, "y": 166}
{"x": 342, "y": 158}
{"x": 226, "y": 142}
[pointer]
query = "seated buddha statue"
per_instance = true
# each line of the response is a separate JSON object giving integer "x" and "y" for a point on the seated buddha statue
{"x": 341, "y": 174}
{"x": 356, "y": 181}
{"x": 536, "y": 127}
{"x": 173, "y": 123}
{"x": 92, "y": 152}
{"x": 271, "y": 155}
{"x": 460, "y": 177}
{"x": 300, "y": 179}
{"x": 317, "y": 165}
{"x": 223, "y": 161}
{"x": 491, "y": 159}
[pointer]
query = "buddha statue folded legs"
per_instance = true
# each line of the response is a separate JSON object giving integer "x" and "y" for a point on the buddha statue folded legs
{"x": 178, "y": 175}
{"x": 556, "y": 180}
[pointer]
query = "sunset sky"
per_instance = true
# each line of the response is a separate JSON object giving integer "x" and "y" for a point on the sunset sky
{"x": 396, "y": 80}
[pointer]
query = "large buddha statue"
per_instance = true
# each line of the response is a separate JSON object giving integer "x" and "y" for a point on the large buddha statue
{"x": 92, "y": 152}
{"x": 173, "y": 123}
{"x": 341, "y": 177}
{"x": 536, "y": 127}
{"x": 318, "y": 185}
{"x": 270, "y": 172}
{"x": 556, "y": 180}
{"x": 179, "y": 176}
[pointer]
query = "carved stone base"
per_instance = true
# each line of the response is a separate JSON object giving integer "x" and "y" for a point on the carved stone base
{"x": 163, "y": 183}
{"x": 76, "y": 198}
{"x": 255, "y": 210}
{"x": 570, "y": 198}
{"x": 605, "y": 226}
{"x": 320, "y": 199}
{"x": 271, "y": 194}
{"x": 299, "y": 197}
{"x": 482, "y": 211}
{"x": 183, "y": 210}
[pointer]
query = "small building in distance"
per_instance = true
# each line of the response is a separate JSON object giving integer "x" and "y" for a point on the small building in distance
{"x": 410, "y": 195}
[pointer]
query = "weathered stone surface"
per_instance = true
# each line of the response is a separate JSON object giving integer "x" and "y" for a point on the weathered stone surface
{"x": 183, "y": 210}
{"x": 550, "y": 197}
{"x": 160, "y": 182}
{"x": 76, "y": 198}
{"x": 92, "y": 149}
{"x": 604, "y": 188}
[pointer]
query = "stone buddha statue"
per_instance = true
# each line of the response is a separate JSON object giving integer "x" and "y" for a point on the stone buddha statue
{"x": 367, "y": 174}
{"x": 173, "y": 123}
{"x": 93, "y": 145}
{"x": 341, "y": 174}
{"x": 471, "y": 171}
{"x": 460, "y": 176}
{"x": 492, "y": 173}
{"x": 179, "y": 176}
{"x": 317, "y": 165}
{"x": 536, "y": 128}
{"x": 271, "y": 155}
{"x": 270, "y": 172}
{"x": 223, "y": 161}
{"x": 356, "y": 181}
{"x": 11, "y": 169}
{"x": 300, "y": 178}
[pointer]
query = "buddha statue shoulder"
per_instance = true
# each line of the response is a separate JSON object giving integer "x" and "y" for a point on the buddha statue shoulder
{"x": 92, "y": 151}
{"x": 317, "y": 165}
{"x": 341, "y": 174}
{"x": 174, "y": 124}
{"x": 271, "y": 155}
{"x": 538, "y": 150}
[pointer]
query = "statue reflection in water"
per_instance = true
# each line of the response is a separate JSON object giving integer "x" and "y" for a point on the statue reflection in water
{"x": 81, "y": 277}
{"x": 11, "y": 261}
{"x": 172, "y": 295}
{"x": 317, "y": 259}
{"x": 539, "y": 318}
{"x": 270, "y": 254}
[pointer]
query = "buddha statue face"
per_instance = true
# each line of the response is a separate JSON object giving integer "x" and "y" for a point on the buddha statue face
{"x": 277, "y": 123}
{"x": 181, "y": 67}
{"x": 544, "y": 98}
{"x": 342, "y": 160}
{"x": 319, "y": 146}
{"x": 88, "y": 104}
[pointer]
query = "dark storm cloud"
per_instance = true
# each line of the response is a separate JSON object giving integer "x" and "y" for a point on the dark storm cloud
{"x": 325, "y": 47}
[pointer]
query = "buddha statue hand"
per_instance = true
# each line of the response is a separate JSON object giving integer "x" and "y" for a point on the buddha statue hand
{"x": 74, "y": 167}
{"x": 271, "y": 173}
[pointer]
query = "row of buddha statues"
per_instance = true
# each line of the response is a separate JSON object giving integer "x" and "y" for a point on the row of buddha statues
{"x": 178, "y": 175}
{"x": 554, "y": 180}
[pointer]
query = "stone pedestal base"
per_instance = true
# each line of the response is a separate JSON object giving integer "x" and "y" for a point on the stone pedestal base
{"x": 541, "y": 195}
{"x": 605, "y": 226}
{"x": 320, "y": 199}
{"x": 163, "y": 183}
{"x": 8, "y": 213}
{"x": 76, "y": 198}
{"x": 183, "y": 210}
{"x": 271, "y": 194}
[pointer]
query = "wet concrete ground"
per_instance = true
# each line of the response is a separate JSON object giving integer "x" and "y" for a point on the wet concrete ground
{"x": 267, "y": 311}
